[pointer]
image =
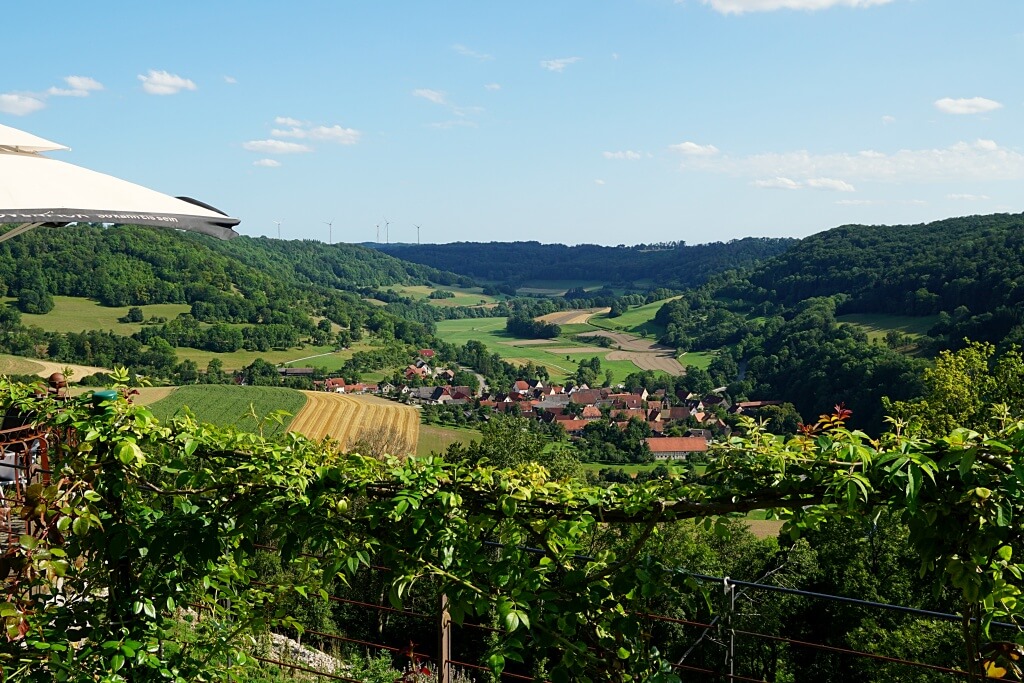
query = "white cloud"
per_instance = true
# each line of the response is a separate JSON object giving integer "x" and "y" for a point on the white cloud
{"x": 888, "y": 119}
{"x": 693, "y": 149}
{"x": 78, "y": 86}
{"x": 435, "y": 96}
{"x": 830, "y": 184}
{"x": 741, "y": 6}
{"x": 969, "y": 197}
{"x": 628, "y": 155}
{"x": 230, "y": 80}
{"x": 467, "y": 52}
{"x": 165, "y": 83}
{"x": 599, "y": 182}
{"x": 492, "y": 86}
{"x": 858, "y": 202}
{"x": 275, "y": 147}
{"x": 558, "y": 65}
{"x": 267, "y": 163}
{"x": 979, "y": 160}
{"x": 778, "y": 184}
{"x": 301, "y": 130}
{"x": 19, "y": 105}
{"x": 966, "y": 105}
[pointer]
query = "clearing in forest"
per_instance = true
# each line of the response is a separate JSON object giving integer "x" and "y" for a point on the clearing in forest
{"x": 347, "y": 419}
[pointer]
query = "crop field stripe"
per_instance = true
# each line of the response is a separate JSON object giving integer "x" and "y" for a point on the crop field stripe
{"x": 343, "y": 417}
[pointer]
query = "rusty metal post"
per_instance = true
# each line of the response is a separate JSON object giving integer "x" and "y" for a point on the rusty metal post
{"x": 444, "y": 642}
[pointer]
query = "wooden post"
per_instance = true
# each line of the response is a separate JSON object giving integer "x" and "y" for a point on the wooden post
{"x": 444, "y": 642}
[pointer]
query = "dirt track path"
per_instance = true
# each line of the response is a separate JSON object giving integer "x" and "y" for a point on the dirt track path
{"x": 575, "y": 317}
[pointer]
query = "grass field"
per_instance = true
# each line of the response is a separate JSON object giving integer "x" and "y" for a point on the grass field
{"x": 700, "y": 359}
{"x": 237, "y": 360}
{"x": 224, "y": 405}
{"x": 435, "y": 439}
{"x": 331, "y": 361}
{"x": 877, "y": 325}
{"x": 491, "y": 332}
{"x": 639, "y": 319}
{"x": 14, "y": 365}
{"x": 74, "y": 314}
{"x": 629, "y": 468}
{"x": 464, "y": 296}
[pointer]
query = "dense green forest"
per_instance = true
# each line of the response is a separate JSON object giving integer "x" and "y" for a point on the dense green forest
{"x": 674, "y": 264}
{"x": 778, "y": 320}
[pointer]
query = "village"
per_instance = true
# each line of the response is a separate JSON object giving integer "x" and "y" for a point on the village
{"x": 681, "y": 426}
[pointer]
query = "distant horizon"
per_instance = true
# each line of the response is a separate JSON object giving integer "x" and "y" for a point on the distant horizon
{"x": 606, "y": 123}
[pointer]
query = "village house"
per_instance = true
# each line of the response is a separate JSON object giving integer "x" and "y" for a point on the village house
{"x": 676, "y": 447}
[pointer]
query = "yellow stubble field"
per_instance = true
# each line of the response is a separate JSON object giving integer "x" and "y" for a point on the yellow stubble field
{"x": 344, "y": 417}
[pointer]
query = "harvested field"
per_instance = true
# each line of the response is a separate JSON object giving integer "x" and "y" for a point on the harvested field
{"x": 577, "y": 349}
{"x": 629, "y": 342}
{"x": 343, "y": 418}
{"x": 44, "y": 368}
{"x": 148, "y": 395}
{"x": 575, "y": 317}
{"x": 665, "y": 362}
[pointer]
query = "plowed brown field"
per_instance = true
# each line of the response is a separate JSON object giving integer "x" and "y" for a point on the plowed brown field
{"x": 651, "y": 361}
{"x": 343, "y": 417}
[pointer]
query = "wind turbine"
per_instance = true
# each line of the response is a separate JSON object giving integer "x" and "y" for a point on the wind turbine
{"x": 417, "y": 234}
{"x": 278, "y": 229}
{"x": 387, "y": 231}
{"x": 330, "y": 227}
{"x": 378, "y": 233}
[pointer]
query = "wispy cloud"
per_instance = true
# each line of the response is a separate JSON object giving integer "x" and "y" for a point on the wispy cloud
{"x": 78, "y": 86}
{"x": 439, "y": 98}
{"x": 969, "y": 197}
{"x": 303, "y": 131}
{"x": 20, "y": 105}
{"x": 231, "y": 80}
{"x": 558, "y": 65}
{"x": 276, "y": 147}
{"x": 780, "y": 183}
{"x": 628, "y": 155}
{"x": 435, "y": 96}
{"x": 492, "y": 86}
{"x": 267, "y": 163}
{"x": 692, "y": 149}
{"x": 467, "y": 52}
{"x": 888, "y": 119}
{"x": 165, "y": 83}
{"x": 978, "y": 160}
{"x": 743, "y": 6}
{"x": 599, "y": 182}
{"x": 966, "y": 105}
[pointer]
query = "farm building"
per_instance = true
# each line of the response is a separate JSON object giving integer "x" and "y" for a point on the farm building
{"x": 676, "y": 447}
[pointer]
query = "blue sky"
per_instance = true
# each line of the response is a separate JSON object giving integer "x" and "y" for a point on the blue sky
{"x": 601, "y": 121}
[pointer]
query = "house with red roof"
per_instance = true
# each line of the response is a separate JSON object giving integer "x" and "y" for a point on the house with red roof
{"x": 676, "y": 447}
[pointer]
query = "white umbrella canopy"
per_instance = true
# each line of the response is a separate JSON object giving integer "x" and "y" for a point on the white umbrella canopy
{"x": 38, "y": 190}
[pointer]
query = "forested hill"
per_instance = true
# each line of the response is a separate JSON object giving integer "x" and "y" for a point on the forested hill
{"x": 130, "y": 265}
{"x": 674, "y": 265}
{"x": 969, "y": 270}
{"x": 973, "y": 261}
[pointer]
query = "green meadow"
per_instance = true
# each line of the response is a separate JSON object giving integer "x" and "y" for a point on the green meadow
{"x": 560, "y": 364}
{"x": 638, "y": 319}
{"x": 75, "y": 314}
{"x": 227, "y": 405}
{"x": 876, "y": 326}
{"x": 464, "y": 296}
{"x": 436, "y": 439}
{"x": 236, "y": 360}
